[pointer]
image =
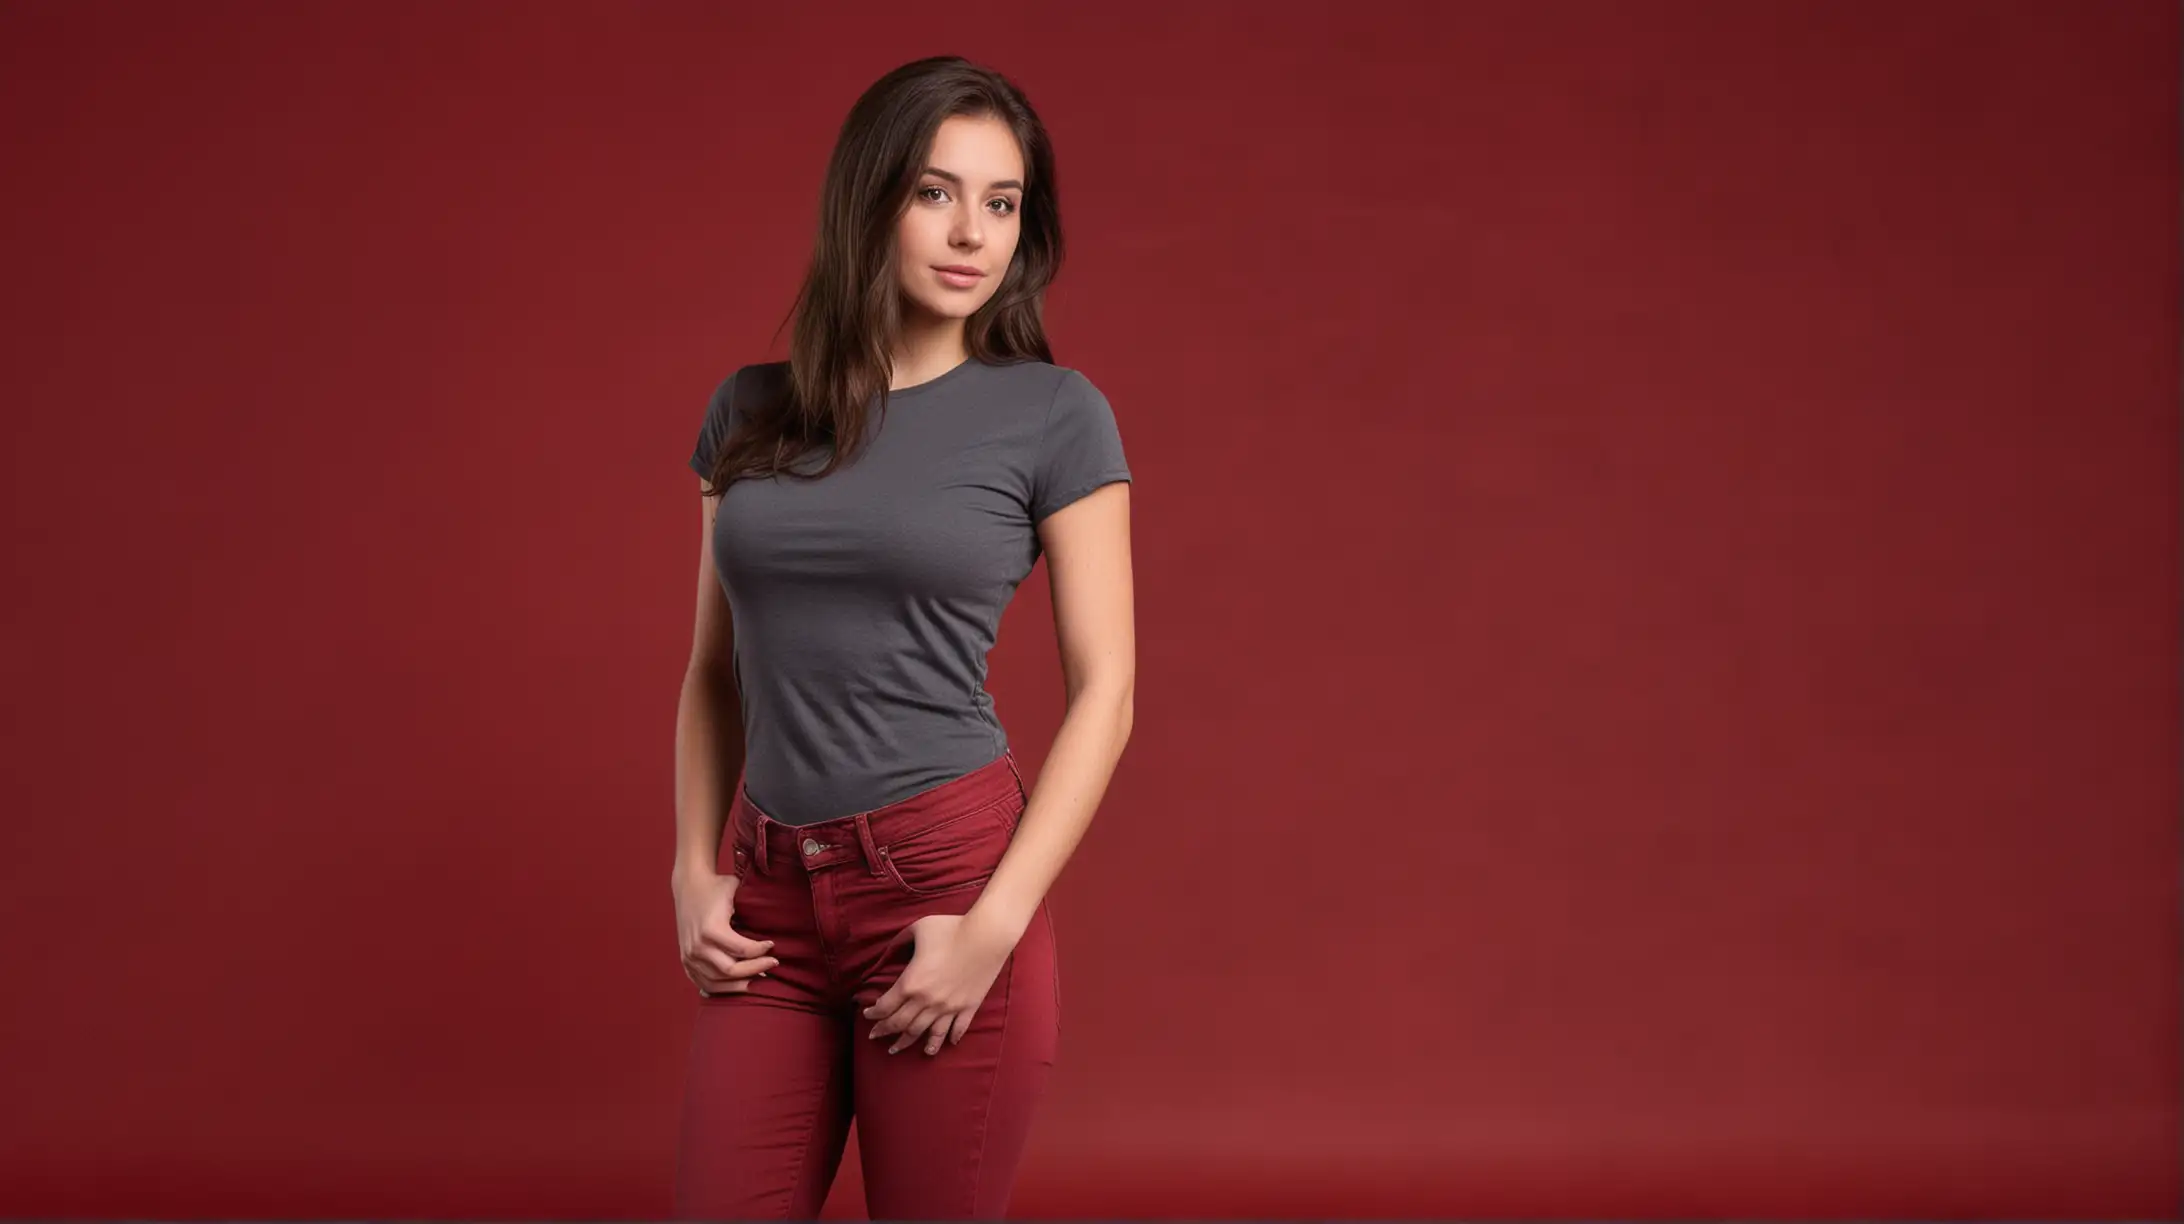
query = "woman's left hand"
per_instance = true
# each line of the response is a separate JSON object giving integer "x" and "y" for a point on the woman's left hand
{"x": 953, "y": 963}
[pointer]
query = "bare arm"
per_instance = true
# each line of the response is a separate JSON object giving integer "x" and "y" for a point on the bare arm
{"x": 1088, "y": 567}
{"x": 708, "y": 722}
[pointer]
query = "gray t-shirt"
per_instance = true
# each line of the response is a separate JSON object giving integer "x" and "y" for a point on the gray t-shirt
{"x": 864, "y": 603}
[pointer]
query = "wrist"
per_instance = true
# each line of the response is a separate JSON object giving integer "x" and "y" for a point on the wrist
{"x": 994, "y": 919}
{"x": 690, "y": 868}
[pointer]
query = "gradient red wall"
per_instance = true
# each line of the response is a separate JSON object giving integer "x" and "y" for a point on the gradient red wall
{"x": 1659, "y": 568}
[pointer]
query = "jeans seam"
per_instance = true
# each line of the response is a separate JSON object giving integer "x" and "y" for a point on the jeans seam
{"x": 803, "y": 1155}
{"x": 993, "y": 1089}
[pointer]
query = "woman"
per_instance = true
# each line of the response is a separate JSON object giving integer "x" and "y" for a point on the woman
{"x": 875, "y": 879}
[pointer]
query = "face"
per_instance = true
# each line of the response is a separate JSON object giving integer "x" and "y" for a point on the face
{"x": 956, "y": 238}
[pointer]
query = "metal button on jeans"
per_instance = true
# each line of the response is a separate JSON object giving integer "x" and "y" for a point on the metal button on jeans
{"x": 812, "y": 846}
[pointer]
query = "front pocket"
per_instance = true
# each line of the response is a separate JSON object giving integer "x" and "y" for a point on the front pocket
{"x": 958, "y": 853}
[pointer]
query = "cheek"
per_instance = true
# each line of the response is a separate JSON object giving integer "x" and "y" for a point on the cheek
{"x": 919, "y": 233}
{"x": 911, "y": 256}
{"x": 907, "y": 243}
{"x": 1004, "y": 260}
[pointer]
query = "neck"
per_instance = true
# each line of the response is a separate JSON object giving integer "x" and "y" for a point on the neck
{"x": 928, "y": 348}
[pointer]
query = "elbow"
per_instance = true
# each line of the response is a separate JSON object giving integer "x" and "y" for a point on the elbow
{"x": 1109, "y": 700}
{"x": 1118, "y": 703}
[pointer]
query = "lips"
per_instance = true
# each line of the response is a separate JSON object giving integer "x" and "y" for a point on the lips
{"x": 960, "y": 270}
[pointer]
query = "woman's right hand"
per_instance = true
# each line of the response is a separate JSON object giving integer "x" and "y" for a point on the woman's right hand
{"x": 715, "y": 955}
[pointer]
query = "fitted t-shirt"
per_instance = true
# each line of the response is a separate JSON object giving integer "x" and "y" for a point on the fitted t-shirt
{"x": 864, "y": 602}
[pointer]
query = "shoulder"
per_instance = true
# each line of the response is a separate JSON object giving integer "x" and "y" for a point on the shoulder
{"x": 765, "y": 372}
{"x": 1026, "y": 377}
{"x": 1077, "y": 401}
{"x": 1055, "y": 390}
{"x": 760, "y": 376}
{"x": 747, "y": 384}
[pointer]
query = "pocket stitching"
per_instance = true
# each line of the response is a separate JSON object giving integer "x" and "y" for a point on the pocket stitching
{"x": 919, "y": 836}
{"x": 894, "y": 873}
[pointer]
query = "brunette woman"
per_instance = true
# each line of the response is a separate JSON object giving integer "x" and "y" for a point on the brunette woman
{"x": 861, "y": 871}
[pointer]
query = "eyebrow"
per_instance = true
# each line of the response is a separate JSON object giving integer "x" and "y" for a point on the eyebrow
{"x": 957, "y": 179}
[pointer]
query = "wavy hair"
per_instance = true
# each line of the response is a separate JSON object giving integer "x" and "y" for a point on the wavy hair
{"x": 849, "y": 311}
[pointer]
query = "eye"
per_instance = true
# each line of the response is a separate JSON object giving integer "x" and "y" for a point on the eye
{"x": 923, "y": 190}
{"x": 1008, "y": 206}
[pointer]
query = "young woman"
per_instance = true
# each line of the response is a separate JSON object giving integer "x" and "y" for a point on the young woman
{"x": 861, "y": 874}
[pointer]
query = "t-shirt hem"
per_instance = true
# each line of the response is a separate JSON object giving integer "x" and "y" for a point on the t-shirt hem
{"x": 1080, "y": 490}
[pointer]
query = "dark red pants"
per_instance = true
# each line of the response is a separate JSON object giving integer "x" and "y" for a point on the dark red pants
{"x": 777, "y": 1073}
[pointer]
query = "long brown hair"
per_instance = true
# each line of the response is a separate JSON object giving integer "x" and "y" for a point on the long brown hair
{"x": 849, "y": 310}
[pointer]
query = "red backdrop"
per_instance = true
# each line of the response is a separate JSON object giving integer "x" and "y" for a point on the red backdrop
{"x": 1659, "y": 566}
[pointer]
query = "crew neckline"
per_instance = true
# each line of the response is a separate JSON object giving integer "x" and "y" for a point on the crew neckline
{"x": 948, "y": 375}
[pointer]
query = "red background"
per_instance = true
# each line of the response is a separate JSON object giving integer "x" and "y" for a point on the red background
{"x": 1658, "y": 554}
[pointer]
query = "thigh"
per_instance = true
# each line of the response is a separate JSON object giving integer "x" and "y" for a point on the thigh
{"x": 941, "y": 1136}
{"x": 766, "y": 1109}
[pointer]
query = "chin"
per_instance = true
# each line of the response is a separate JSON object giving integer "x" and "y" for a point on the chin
{"x": 953, "y": 308}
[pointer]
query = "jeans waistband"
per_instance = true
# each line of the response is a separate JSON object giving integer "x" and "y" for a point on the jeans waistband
{"x": 860, "y": 835}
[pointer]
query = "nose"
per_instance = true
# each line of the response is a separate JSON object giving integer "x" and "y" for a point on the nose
{"x": 969, "y": 231}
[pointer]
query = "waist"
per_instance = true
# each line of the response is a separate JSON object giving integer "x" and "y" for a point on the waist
{"x": 805, "y": 772}
{"x": 816, "y": 843}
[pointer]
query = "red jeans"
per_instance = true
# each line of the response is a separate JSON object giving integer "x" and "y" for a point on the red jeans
{"x": 777, "y": 1072}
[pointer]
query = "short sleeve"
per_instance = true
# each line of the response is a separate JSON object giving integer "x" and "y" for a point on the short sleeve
{"x": 713, "y": 430}
{"x": 1080, "y": 449}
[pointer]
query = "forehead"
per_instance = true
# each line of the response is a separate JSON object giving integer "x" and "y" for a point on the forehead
{"x": 980, "y": 150}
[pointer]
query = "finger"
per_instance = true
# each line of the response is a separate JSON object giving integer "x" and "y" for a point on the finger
{"x": 711, "y": 961}
{"x": 887, "y": 1003}
{"x": 735, "y": 942}
{"x": 757, "y": 966}
{"x": 720, "y": 967}
{"x": 961, "y": 1026}
{"x": 912, "y": 1031}
{"x": 895, "y": 1020}
{"x": 707, "y": 976}
{"x": 708, "y": 984}
{"x": 938, "y": 1037}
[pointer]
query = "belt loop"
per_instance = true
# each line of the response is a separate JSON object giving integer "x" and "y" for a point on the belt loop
{"x": 1010, "y": 754}
{"x": 760, "y": 838}
{"x": 871, "y": 849}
